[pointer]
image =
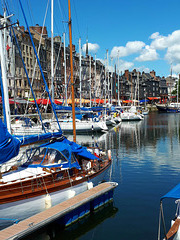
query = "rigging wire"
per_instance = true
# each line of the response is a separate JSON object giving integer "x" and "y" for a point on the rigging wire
{"x": 76, "y": 17}
{"x": 31, "y": 13}
{"x": 34, "y": 70}
{"x": 61, "y": 9}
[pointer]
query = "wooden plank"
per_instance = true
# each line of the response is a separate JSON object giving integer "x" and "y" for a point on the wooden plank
{"x": 39, "y": 220}
{"x": 173, "y": 230}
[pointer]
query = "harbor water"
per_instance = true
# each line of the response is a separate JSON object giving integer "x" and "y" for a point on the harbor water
{"x": 146, "y": 165}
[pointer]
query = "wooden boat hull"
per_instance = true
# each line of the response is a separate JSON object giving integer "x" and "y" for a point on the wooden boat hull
{"x": 20, "y": 206}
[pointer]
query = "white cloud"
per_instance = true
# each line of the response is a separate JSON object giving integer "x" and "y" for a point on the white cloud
{"x": 130, "y": 48}
{"x": 163, "y": 42}
{"x": 176, "y": 68}
{"x": 124, "y": 65}
{"x": 143, "y": 69}
{"x": 173, "y": 53}
{"x": 148, "y": 54}
{"x": 92, "y": 47}
{"x": 154, "y": 35}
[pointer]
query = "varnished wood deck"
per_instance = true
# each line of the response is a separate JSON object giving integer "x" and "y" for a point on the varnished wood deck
{"x": 173, "y": 230}
{"x": 37, "y": 221}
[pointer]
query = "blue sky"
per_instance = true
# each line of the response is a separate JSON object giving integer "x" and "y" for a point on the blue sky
{"x": 145, "y": 34}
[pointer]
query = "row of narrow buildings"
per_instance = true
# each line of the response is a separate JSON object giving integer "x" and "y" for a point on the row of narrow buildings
{"x": 94, "y": 74}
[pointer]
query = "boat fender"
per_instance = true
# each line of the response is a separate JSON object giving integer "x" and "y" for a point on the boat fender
{"x": 109, "y": 155}
{"x": 48, "y": 201}
{"x": 71, "y": 193}
{"x": 89, "y": 185}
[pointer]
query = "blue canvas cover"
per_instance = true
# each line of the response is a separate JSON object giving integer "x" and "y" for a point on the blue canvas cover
{"x": 173, "y": 193}
{"x": 63, "y": 146}
{"x": 38, "y": 137}
{"x": 56, "y": 147}
{"x": 9, "y": 145}
{"x": 69, "y": 109}
{"x": 99, "y": 109}
{"x": 79, "y": 150}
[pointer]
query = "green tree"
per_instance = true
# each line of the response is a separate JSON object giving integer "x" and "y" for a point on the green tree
{"x": 174, "y": 92}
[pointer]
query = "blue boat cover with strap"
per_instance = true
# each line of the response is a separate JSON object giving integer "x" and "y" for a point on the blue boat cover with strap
{"x": 9, "y": 145}
{"x": 173, "y": 193}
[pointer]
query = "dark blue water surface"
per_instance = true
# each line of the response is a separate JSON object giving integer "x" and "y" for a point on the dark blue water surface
{"x": 146, "y": 165}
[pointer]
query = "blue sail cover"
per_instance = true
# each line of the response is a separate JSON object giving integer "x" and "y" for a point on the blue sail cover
{"x": 38, "y": 137}
{"x": 9, "y": 145}
{"x": 66, "y": 148}
{"x": 79, "y": 150}
{"x": 69, "y": 109}
{"x": 173, "y": 193}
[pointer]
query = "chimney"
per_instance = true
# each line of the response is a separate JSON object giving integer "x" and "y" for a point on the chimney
{"x": 126, "y": 72}
{"x": 153, "y": 74}
{"x": 38, "y": 29}
{"x": 21, "y": 28}
{"x": 73, "y": 48}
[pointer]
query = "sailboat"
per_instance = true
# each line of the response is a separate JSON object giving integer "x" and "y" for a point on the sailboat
{"x": 51, "y": 173}
{"x": 132, "y": 114}
{"x": 174, "y": 231}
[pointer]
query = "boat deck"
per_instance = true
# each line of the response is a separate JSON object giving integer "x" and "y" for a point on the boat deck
{"x": 39, "y": 220}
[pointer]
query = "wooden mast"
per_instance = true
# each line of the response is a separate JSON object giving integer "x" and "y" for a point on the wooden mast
{"x": 71, "y": 65}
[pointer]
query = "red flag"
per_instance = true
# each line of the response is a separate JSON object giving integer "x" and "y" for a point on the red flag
{"x": 7, "y": 47}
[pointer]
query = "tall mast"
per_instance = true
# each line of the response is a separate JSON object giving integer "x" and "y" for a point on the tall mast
{"x": 178, "y": 90}
{"x": 138, "y": 86}
{"x": 52, "y": 53}
{"x": 131, "y": 89}
{"x": 105, "y": 87}
{"x": 95, "y": 82}
{"x": 170, "y": 82}
{"x": 111, "y": 78}
{"x": 65, "y": 78}
{"x": 90, "y": 77}
{"x": 71, "y": 65}
{"x": 4, "y": 83}
{"x": 118, "y": 78}
{"x": 80, "y": 80}
{"x": 108, "y": 74}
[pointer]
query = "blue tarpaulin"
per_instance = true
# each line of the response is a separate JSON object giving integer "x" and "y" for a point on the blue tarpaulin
{"x": 79, "y": 150}
{"x": 69, "y": 109}
{"x": 38, "y": 137}
{"x": 173, "y": 193}
{"x": 144, "y": 100}
{"x": 64, "y": 146}
{"x": 9, "y": 145}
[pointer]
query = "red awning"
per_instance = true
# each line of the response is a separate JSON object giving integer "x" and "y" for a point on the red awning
{"x": 98, "y": 100}
{"x": 153, "y": 98}
{"x": 47, "y": 101}
{"x": 11, "y": 101}
{"x": 127, "y": 101}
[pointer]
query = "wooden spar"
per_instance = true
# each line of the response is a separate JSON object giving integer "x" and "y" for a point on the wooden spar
{"x": 71, "y": 65}
{"x": 173, "y": 230}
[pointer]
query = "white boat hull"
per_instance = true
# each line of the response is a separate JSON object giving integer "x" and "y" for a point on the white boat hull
{"x": 81, "y": 126}
{"x": 128, "y": 116}
{"x": 23, "y": 209}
